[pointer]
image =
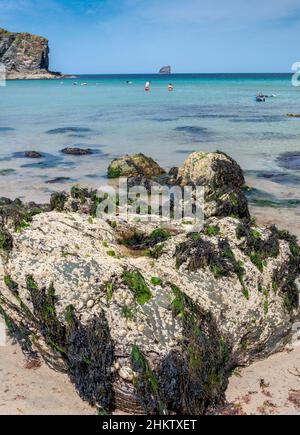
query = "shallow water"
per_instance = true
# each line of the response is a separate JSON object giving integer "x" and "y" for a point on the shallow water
{"x": 203, "y": 113}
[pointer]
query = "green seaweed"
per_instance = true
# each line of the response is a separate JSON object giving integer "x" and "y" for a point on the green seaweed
{"x": 211, "y": 230}
{"x": 127, "y": 312}
{"x": 58, "y": 200}
{"x": 79, "y": 193}
{"x": 257, "y": 249}
{"x": 147, "y": 383}
{"x": 12, "y": 285}
{"x": 44, "y": 309}
{"x": 6, "y": 240}
{"x": 109, "y": 291}
{"x": 17, "y": 331}
{"x": 155, "y": 252}
{"x": 111, "y": 253}
{"x": 138, "y": 286}
{"x": 159, "y": 235}
{"x": 156, "y": 281}
{"x": 195, "y": 376}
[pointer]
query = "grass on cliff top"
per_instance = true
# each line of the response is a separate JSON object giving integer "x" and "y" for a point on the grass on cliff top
{"x": 4, "y": 32}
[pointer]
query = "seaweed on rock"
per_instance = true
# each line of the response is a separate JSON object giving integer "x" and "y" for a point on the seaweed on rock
{"x": 256, "y": 248}
{"x": 284, "y": 278}
{"x": 18, "y": 215}
{"x": 90, "y": 352}
{"x": 87, "y": 349}
{"x": 43, "y": 302}
{"x": 6, "y": 240}
{"x": 198, "y": 253}
{"x": 146, "y": 384}
{"x": 194, "y": 375}
{"x": 58, "y": 200}
{"x": 18, "y": 332}
{"x": 137, "y": 240}
{"x": 201, "y": 366}
{"x": 259, "y": 250}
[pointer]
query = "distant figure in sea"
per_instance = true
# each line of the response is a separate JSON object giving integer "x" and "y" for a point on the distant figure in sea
{"x": 170, "y": 87}
{"x": 147, "y": 87}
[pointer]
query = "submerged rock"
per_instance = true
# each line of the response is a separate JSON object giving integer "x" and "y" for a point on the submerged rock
{"x": 4, "y": 172}
{"x": 77, "y": 151}
{"x": 58, "y": 180}
{"x": 289, "y": 160}
{"x": 133, "y": 166}
{"x": 64, "y": 130}
{"x": 32, "y": 155}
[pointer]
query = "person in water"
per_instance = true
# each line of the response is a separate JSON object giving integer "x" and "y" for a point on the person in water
{"x": 170, "y": 87}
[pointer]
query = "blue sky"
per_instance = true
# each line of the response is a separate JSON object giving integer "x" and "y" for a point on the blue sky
{"x": 137, "y": 36}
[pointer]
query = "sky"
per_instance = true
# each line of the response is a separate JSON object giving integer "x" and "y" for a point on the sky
{"x": 140, "y": 36}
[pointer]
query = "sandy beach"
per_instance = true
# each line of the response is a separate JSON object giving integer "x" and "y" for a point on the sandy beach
{"x": 269, "y": 387}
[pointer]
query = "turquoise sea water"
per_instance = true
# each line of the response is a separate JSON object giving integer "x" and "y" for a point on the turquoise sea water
{"x": 205, "y": 112}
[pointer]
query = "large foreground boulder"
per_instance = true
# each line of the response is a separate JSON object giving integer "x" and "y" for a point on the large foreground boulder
{"x": 153, "y": 321}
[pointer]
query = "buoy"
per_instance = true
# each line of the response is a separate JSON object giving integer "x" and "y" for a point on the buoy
{"x": 147, "y": 87}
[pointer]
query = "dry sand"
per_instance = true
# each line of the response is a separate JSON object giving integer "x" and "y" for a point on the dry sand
{"x": 36, "y": 391}
{"x": 271, "y": 387}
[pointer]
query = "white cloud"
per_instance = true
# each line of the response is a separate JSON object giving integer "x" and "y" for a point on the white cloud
{"x": 202, "y": 12}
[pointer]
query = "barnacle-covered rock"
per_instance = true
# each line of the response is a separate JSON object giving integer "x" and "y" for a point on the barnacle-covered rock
{"x": 156, "y": 339}
{"x": 222, "y": 180}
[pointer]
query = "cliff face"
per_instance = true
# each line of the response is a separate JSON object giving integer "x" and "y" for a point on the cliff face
{"x": 25, "y": 55}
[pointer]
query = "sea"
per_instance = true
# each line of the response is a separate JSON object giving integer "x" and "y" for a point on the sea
{"x": 113, "y": 115}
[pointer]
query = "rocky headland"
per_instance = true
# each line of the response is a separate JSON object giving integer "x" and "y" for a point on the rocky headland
{"x": 25, "y": 56}
{"x": 148, "y": 318}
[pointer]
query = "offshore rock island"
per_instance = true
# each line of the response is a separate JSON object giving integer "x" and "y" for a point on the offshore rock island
{"x": 25, "y": 56}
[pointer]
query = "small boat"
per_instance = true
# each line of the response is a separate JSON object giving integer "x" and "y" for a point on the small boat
{"x": 261, "y": 98}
